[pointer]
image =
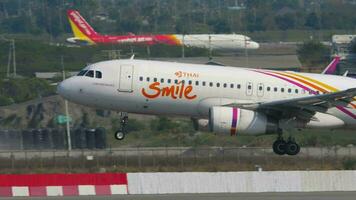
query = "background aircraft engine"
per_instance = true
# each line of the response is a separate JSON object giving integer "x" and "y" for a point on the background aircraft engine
{"x": 201, "y": 124}
{"x": 233, "y": 121}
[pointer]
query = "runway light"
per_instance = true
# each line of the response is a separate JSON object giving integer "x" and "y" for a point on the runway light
{"x": 258, "y": 168}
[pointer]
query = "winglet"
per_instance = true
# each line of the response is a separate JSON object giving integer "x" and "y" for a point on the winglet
{"x": 331, "y": 68}
{"x": 346, "y": 73}
{"x": 132, "y": 57}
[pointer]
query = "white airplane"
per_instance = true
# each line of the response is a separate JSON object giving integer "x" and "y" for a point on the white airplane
{"x": 227, "y": 100}
{"x": 84, "y": 34}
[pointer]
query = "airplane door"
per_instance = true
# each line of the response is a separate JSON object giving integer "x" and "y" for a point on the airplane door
{"x": 125, "y": 82}
{"x": 249, "y": 89}
{"x": 260, "y": 89}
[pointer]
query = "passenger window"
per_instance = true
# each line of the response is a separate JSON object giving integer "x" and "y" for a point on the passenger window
{"x": 296, "y": 91}
{"x": 81, "y": 73}
{"x": 275, "y": 89}
{"x": 217, "y": 84}
{"x": 162, "y": 80}
{"x": 196, "y": 82}
{"x": 282, "y": 89}
{"x": 148, "y": 79}
{"x": 249, "y": 87}
{"x": 154, "y": 79}
{"x": 90, "y": 73}
{"x": 98, "y": 74}
{"x": 176, "y": 81}
{"x": 189, "y": 82}
{"x": 268, "y": 88}
{"x": 225, "y": 85}
{"x": 211, "y": 84}
{"x": 231, "y": 85}
{"x": 203, "y": 83}
{"x": 289, "y": 90}
{"x": 169, "y": 81}
{"x": 238, "y": 86}
{"x": 141, "y": 78}
{"x": 260, "y": 88}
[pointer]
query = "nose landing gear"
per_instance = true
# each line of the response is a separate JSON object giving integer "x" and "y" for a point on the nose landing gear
{"x": 121, "y": 133}
{"x": 289, "y": 147}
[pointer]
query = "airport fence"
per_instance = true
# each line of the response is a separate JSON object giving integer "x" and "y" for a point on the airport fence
{"x": 174, "y": 159}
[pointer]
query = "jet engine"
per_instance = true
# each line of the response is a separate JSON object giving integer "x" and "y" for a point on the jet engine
{"x": 233, "y": 121}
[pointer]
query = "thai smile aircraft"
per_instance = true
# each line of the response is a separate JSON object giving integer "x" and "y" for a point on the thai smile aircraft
{"x": 226, "y": 100}
{"x": 84, "y": 34}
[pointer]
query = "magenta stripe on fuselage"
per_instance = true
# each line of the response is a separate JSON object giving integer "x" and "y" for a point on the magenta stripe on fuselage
{"x": 342, "y": 109}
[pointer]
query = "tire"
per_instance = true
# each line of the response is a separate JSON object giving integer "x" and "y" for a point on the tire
{"x": 292, "y": 148}
{"x": 119, "y": 135}
{"x": 279, "y": 147}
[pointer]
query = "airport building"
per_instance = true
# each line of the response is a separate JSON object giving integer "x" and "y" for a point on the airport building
{"x": 342, "y": 46}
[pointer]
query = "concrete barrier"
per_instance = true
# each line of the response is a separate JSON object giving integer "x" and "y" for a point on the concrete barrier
{"x": 175, "y": 182}
{"x": 234, "y": 182}
{"x": 26, "y": 185}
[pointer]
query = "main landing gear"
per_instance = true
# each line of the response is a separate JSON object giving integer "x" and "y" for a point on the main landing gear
{"x": 289, "y": 147}
{"x": 120, "y": 134}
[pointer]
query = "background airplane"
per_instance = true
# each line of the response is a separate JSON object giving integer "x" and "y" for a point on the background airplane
{"x": 84, "y": 34}
{"x": 226, "y": 100}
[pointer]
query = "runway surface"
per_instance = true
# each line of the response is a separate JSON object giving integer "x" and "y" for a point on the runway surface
{"x": 242, "y": 196}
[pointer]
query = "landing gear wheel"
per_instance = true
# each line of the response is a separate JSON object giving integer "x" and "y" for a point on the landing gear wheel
{"x": 292, "y": 148}
{"x": 119, "y": 135}
{"x": 279, "y": 147}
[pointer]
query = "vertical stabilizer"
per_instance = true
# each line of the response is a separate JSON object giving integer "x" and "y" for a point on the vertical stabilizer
{"x": 331, "y": 68}
{"x": 80, "y": 27}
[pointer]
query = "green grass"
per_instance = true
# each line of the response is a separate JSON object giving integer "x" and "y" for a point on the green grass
{"x": 153, "y": 138}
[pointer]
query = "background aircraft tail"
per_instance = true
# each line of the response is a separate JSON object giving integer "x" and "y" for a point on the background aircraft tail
{"x": 331, "y": 68}
{"x": 80, "y": 27}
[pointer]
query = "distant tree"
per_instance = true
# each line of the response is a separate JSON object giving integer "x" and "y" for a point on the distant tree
{"x": 312, "y": 21}
{"x": 313, "y": 53}
{"x": 286, "y": 21}
{"x": 285, "y": 3}
{"x": 220, "y": 26}
{"x": 353, "y": 46}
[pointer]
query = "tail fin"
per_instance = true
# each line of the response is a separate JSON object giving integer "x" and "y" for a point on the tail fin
{"x": 331, "y": 68}
{"x": 80, "y": 27}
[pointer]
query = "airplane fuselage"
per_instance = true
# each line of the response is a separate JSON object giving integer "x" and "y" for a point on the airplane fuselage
{"x": 168, "y": 88}
{"x": 209, "y": 41}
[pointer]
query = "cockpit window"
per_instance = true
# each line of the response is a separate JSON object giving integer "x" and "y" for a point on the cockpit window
{"x": 81, "y": 73}
{"x": 90, "y": 73}
{"x": 98, "y": 74}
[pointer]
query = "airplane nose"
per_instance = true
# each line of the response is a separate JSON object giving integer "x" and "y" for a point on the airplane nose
{"x": 254, "y": 45}
{"x": 62, "y": 89}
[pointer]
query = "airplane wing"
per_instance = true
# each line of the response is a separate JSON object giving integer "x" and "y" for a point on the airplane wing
{"x": 302, "y": 107}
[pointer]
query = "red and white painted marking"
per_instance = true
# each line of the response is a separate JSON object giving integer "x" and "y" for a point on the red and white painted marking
{"x": 63, "y": 184}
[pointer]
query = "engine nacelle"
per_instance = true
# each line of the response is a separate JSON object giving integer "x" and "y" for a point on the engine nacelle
{"x": 228, "y": 120}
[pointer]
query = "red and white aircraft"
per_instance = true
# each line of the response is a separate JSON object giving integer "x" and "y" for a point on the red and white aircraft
{"x": 227, "y": 100}
{"x": 84, "y": 34}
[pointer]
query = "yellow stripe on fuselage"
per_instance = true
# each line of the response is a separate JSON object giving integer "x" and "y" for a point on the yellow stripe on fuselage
{"x": 328, "y": 87}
